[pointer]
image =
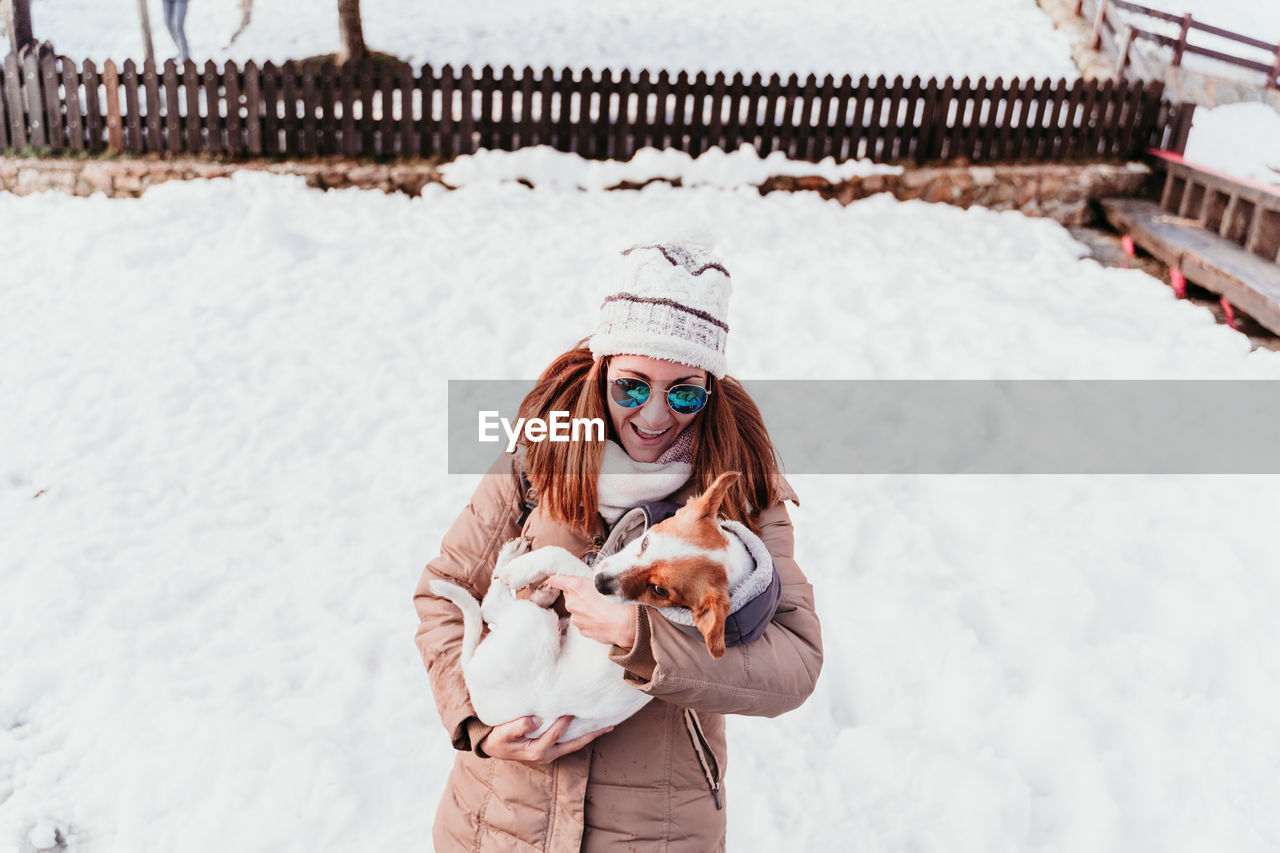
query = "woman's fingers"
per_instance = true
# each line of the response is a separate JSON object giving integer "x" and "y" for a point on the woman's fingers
{"x": 517, "y": 728}
{"x": 569, "y": 583}
{"x": 576, "y": 744}
{"x": 545, "y": 749}
{"x": 509, "y": 740}
{"x": 553, "y": 734}
{"x": 540, "y": 748}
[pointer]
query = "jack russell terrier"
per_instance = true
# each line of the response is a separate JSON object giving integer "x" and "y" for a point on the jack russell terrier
{"x": 695, "y": 566}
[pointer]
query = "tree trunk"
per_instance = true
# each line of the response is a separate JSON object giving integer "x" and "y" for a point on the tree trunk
{"x": 144, "y": 21}
{"x": 246, "y": 16}
{"x": 18, "y": 23}
{"x": 351, "y": 32}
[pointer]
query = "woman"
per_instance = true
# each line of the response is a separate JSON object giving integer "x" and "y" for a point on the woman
{"x": 655, "y": 371}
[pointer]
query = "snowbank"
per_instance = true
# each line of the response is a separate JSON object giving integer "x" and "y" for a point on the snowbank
{"x": 925, "y": 37}
{"x": 545, "y": 167}
{"x": 1243, "y": 139}
{"x": 222, "y": 471}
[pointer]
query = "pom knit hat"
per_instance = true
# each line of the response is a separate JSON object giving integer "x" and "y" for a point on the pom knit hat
{"x": 670, "y": 301}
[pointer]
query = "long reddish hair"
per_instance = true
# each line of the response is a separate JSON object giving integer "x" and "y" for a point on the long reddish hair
{"x": 728, "y": 435}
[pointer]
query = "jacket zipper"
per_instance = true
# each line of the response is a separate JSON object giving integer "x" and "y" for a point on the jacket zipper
{"x": 706, "y": 757}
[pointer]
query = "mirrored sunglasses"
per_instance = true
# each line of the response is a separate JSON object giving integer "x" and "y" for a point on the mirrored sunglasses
{"x": 633, "y": 393}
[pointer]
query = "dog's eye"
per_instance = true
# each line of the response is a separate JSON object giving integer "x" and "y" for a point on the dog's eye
{"x": 659, "y": 591}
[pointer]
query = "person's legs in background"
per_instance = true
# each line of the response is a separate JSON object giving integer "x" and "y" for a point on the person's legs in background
{"x": 175, "y": 21}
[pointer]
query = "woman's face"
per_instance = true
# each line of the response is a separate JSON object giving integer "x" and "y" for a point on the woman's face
{"x": 647, "y": 431}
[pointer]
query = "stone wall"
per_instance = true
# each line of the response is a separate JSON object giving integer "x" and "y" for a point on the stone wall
{"x": 1208, "y": 90}
{"x": 129, "y": 177}
{"x": 1060, "y": 192}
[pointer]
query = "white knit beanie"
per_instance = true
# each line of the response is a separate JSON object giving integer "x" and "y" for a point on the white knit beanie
{"x": 671, "y": 301}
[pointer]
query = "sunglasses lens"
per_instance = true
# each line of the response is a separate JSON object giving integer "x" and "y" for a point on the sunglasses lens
{"x": 687, "y": 399}
{"x": 629, "y": 392}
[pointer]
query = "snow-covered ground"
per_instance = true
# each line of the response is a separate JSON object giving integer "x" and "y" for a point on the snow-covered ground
{"x": 543, "y": 166}
{"x": 221, "y": 470}
{"x": 925, "y": 37}
{"x": 1243, "y": 139}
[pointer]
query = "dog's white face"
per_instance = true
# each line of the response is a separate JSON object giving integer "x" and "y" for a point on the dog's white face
{"x": 681, "y": 562}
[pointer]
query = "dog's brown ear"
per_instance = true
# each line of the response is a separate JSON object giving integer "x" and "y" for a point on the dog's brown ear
{"x": 709, "y": 616}
{"x": 708, "y": 503}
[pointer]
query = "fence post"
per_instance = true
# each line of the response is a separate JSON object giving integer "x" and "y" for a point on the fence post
{"x": 53, "y": 102}
{"x": 111, "y": 79}
{"x": 1122, "y": 61}
{"x": 11, "y": 80}
{"x": 1182, "y": 127}
{"x": 35, "y": 100}
{"x": 1182, "y": 40}
{"x": 1098, "y": 19}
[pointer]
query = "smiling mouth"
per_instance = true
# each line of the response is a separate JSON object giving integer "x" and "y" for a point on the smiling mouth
{"x": 644, "y": 433}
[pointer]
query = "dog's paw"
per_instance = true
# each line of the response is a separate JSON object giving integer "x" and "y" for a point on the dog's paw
{"x": 515, "y": 548}
{"x": 543, "y": 596}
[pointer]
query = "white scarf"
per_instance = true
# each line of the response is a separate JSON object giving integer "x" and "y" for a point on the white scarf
{"x": 625, "y": 483}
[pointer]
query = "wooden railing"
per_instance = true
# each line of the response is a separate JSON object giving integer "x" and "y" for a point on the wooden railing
{"x": 388, "y": 110}
{"x": 1214, "y": 229}
{"x": 1244, "y": 212}
{"x": 1106, "y": 22}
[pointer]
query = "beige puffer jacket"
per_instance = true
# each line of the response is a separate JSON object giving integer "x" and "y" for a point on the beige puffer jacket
{"x": 644, "y": 785}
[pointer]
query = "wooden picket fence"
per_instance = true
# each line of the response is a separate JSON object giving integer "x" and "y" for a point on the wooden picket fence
{"x": 387, "y": 110}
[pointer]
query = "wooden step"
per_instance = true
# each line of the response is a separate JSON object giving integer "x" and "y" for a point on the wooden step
{"x": 1218, "y": 264}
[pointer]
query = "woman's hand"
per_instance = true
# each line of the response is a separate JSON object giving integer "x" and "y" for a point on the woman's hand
{"x": 594, "y": 615}
{"x": 508, "y": 741}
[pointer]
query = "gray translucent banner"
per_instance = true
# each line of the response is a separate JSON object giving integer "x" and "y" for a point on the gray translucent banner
{"x": 967, "y": 426}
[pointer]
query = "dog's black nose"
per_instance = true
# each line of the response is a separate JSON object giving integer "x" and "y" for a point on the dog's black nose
{"x": 604, "y": 585}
